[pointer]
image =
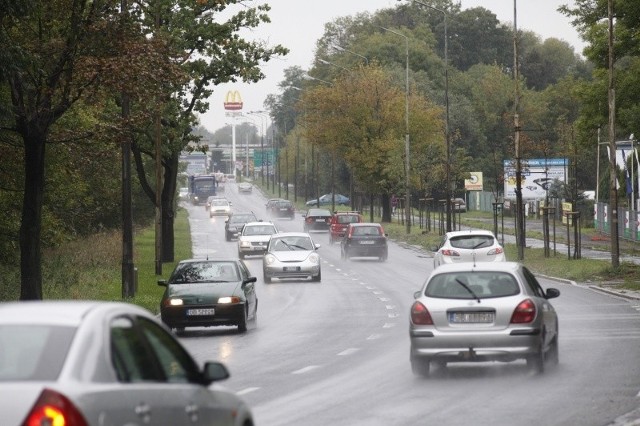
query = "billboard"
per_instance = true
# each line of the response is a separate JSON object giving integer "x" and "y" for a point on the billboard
{"x": 474, "y": 183}
{"x": 537, "y": 176}
{"x": 233, "y": 101}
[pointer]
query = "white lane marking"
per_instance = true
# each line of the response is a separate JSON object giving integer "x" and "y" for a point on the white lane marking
{"x": 638, "y": 395}
{"x": 384, "y": 299}
{"x": 246, "y": 391}
{"x": 388, "y": 325}
{"x": 378, "y": 292}
{"x": 305, "y": 369}
{"x": 370, "y": 288}
{"x": 349, "y": 351}
{"x": 374, "y": 337}
{"x": 393, "y": 315}
{"x": 391, "y": 306}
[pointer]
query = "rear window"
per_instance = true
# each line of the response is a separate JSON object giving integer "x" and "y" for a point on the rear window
{"x": 471, "y": 241}
{"x": 366, "y": 230}
{"x": 348, "y": 219}
{"x": 472, "y": 285}
{"x": 33, "y": 352}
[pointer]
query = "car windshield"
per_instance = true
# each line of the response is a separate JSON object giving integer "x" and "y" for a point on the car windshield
{"x": 259, "y": 230}
{"x": 471, "y": 241}
{"x": 219, "y": 203}
{"x": 33, "y": 352}
{"x": 204, "y": 272}
{"x": 472, "y": 285}
{"x": 318, "y": 212}
{"x": 291, "y": 244}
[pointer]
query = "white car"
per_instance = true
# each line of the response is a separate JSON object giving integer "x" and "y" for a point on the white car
{"x": 220, "y": 207}
{"x": 254, "y": 238}
{"x": 104, "y": 363}
{"x": 291, "y": 255}
{"x": 468, "y": 246}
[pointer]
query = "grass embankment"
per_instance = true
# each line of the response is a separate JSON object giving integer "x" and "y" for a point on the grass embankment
{"x": 91, "y": 268}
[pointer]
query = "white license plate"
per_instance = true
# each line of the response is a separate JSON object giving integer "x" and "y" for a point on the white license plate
{"x": 471, "y": 317}
{"x": 367, "y": 242}
{"x": 196, "y": 312}
{"x": 320, "y": 220}
{"x": 290, "y": 268}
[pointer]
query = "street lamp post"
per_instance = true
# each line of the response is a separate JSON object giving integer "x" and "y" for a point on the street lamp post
{"x": 446, "y": 103}
{"x": 407, "y": 206}
{"x": 262, "y": 115}
{"x": 342, "y": 49}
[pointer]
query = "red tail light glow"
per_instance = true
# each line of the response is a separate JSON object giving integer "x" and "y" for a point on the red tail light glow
{"x": 53, "y": 408}
{"x": 497, "y": 250}
{"x": 447, "y": 252}
{"x": 420, "y": 314}
{"x": 525, "y": 312}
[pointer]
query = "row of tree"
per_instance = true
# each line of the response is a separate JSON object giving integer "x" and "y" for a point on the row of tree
{"x": 79, "y": 78}
{"x": 349, "y": 106}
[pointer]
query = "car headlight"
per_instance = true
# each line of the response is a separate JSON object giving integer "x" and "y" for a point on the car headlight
{"x": 245, "y": 244}
{"x": 269, "y": 259}
{"x": 229, "y": 299}
{"x": 175, "y": 302}
{"x": 314, "y": 258}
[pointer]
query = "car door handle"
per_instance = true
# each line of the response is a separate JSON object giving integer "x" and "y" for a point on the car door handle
{"x": 192, "y": 412}
{"x": 143, "y": 411}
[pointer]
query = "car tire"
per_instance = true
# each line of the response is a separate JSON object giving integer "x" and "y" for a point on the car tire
{"x": 554, "y": 352}
{"x": 535, "y": 362}
{"x": 318, "y": 277}
{"x": 420, "y": 367}
{"x": 242, "y": 324}
{"x": 179, "y": 331}
{"x": 266, "y": 278}
{"x": 227, "y": 236}
{"x": 240, "y": 255}
{"x": 384, "y": 256}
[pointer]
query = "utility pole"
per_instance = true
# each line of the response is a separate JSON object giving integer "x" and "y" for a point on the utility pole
{"x": 158, "y": 160}
{"x": 516, "y": 127}
{"x": 128, "y": 276}
{"x": 613, "y": 169}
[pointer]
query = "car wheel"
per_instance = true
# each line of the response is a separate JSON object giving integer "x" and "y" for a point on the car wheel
{"x": 331, "y": 239}
{"x": 267, "y": 279}
{"x": 179, "y": 331}
{"x": 384, "y": 256}
{"x": 240, "y": 255}
{"x": 554, "y": 352}
{"x": 535, "y": 362}
{"x": 242, "y": 324}
{"x": 318, "y": 277}
{"x": 227, "y": 236}
{"x": 420, "y": 367}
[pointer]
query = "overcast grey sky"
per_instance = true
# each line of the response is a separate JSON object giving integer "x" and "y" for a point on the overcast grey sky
{"x": 298, "y": 24}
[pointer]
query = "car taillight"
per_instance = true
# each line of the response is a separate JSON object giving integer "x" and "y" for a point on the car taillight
{"x": 381, "y": 230}
{"x": 420, "y": 314}
{"x": 308, "y": 220}
{"x": 525, "y": 312}
{"x": 53, "y": 408}
{"x": 497, "y": 250}
{"x": 447, "y": 252}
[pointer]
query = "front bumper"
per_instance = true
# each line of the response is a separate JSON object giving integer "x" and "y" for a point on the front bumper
{"x": 282, "y": 271}
{"x": 177, "y": 317}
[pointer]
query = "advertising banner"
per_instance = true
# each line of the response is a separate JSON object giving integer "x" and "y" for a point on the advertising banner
{"x": 537, "y": 176}
{"x": 474, "y": 183}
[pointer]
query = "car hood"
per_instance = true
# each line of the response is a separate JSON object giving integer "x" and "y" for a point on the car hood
{"x": 291, "y": 256}
{"x": 205, "y": 292}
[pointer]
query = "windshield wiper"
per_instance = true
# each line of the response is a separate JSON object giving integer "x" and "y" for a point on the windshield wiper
{"x": 466, "y": 287}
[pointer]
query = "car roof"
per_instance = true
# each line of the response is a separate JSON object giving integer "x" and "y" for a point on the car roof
{"x": 319, "y": 210}
{"x": 259, "y": 223}
{"x": 59, "y": 312}
{"x": 453, "y": 234}
{"x": 291, "y": 234}
{"x": 365, "y": 224}
{"x": 243, "y": 214}
{"x": 510, "y": 267}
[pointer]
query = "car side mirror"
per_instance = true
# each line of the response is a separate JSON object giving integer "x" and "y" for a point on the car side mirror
{"x": 214, "y": 371}
{"x": 552, "y": 293}
{"x": 249, "y": 280}
{"x": 317, "y": 246}
{"x": 162, "y": 283}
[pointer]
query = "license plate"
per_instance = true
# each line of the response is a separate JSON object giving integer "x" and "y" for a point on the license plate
{"x": 471, "y": 317}
{"x": 290, "y": 268}
{"x": 320, "y": 220}
{"x": 195, "y": 312}
{"x": 367, "y": 242}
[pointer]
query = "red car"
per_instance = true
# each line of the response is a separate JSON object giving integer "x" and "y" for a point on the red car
{"x": 339, "y": 223}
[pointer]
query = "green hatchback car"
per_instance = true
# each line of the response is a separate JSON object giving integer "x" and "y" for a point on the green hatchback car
{"x": 206, "y": 293}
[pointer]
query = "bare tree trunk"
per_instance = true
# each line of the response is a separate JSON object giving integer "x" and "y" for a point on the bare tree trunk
{"x": 31, "y": 226}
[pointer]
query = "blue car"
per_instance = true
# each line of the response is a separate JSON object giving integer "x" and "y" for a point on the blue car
{"x": 325, "y": 200}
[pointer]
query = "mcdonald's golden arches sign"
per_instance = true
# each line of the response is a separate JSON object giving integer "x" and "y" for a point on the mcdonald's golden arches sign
{"x": 233, "y": 101}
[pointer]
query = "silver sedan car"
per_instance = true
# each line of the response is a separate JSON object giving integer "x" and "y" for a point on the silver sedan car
{"x": 291, "y": 255}
{"x": 104, "y": 363}
{"x": 483, "y": 312}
